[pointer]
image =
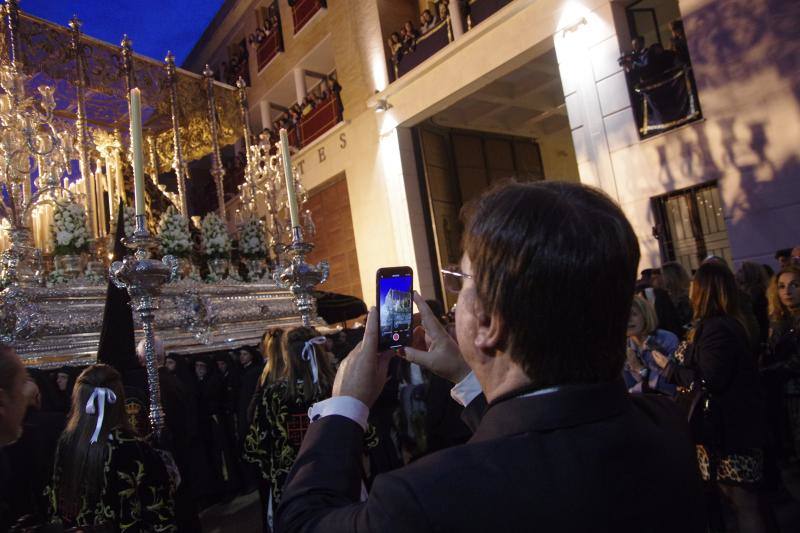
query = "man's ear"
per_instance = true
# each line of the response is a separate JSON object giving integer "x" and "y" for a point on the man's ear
{"x": 491, "y": 333}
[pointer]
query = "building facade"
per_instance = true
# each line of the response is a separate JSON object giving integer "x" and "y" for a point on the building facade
{"x": 529, "y": 89}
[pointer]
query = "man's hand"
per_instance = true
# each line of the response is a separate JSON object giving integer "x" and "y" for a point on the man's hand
{"x": 443, "y": 357}
{"x": 362, "y": 373}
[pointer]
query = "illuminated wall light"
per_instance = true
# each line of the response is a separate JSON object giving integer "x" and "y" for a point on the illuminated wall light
{"x": 574, "y": 27}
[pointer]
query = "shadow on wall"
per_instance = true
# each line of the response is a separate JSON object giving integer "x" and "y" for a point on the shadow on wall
{"x": 734, "y": 40}
{"x": 733, "y": 43}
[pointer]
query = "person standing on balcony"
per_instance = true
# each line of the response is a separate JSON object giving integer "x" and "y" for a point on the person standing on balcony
{"x": 409, "y": 36}
{"x": 426, "y": 22}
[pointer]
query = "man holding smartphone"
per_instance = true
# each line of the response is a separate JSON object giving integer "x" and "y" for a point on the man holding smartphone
{"x": 545, "y": 289}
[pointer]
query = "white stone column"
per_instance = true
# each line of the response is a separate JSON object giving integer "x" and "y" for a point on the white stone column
{"x": 456, "y": 19}
{"x": 300, "y": 84}
{"x": 266, "y": 113}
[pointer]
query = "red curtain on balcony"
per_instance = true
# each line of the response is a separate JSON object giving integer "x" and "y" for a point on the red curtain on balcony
{"x": 322, "y": 118}
{"x": 303, "y": 10}
{"x": 268, "y": 49}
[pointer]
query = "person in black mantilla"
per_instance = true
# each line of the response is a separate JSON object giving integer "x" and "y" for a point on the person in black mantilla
{"x": 218, "y": 443}
{"x": 104, "y": 475}
{"x": 298, "y": 373}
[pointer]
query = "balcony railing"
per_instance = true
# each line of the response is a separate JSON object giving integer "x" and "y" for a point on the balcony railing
{"x": 666, "y": 101}
{"x": 424, "y": 47}
{"x": 322, "y": 118}
{"x": 304, "y": 10}
{"x": 326, "y": 115}
{"x": 474, "y": 12}
{"x": 269, "y": 48}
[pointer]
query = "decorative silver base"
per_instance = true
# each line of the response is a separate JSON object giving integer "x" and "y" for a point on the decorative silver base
{"x": 301, "y": 277}
{"x": 21, "y": 264}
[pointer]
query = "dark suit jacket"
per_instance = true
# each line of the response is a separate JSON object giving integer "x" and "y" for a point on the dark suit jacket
{"x": 584, "y": 458}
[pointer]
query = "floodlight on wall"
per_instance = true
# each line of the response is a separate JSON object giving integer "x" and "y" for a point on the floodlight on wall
{"x": 382, "y": 106}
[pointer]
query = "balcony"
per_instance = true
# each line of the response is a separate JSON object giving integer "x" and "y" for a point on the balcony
{"x": 424, "y": 47}
{"x": 325, "y": 116}
{"x": 304, "y": 10}
{"x": 467, "y": 16}
{"x": 269, "y": 48}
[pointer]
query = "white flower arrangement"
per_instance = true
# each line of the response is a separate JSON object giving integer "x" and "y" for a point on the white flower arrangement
{"x": 70, "y": 234}
{"x": 57, "y": 277}
{"x": 130, "y": 221}
{"x": 252, "y": 243}
{"x": 216, "y": 242}
{"x": 173, "y": 233}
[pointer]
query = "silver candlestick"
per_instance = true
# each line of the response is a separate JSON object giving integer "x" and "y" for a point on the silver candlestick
{"x": 143, "y": 278}
{"x": 301, "y": 277}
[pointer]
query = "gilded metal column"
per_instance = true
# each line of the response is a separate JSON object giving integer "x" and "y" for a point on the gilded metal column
{"x": 82, "y": 125}
{"x": 177, "y": 161}
{"x": 217, "y": 170}
{"x": 243, "y": 113}
{"x": 151, "y": 153}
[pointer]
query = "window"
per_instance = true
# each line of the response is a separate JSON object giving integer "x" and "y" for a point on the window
{"x": 690, "y": 225}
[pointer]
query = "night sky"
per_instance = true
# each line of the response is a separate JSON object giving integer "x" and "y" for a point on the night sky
{"x": 154, "y": 25}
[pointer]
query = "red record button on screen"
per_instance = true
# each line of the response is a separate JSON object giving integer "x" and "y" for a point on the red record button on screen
{"x": 396, "y": 337}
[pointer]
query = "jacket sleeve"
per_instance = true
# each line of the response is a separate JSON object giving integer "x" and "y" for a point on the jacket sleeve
{"x": 322, "y": 492}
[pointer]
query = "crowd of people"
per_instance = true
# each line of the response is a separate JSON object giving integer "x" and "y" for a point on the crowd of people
{"x": 561, "y": 393}
{"x": 661, "y": 78}
{"x": 648, "y": 63}
{"x": 404, "y": 41}
{"x": 327, "y": 90}
{"x": 236, "y": 67}
{"x": 270, "y": 25}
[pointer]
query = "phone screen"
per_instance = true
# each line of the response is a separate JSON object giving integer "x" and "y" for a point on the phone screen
{"x": 395, "y": 306}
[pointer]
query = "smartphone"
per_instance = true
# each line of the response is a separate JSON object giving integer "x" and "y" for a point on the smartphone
{"x": 394, "y": 292}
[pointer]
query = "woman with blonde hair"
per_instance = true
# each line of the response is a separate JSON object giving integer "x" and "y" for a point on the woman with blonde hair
{"x": 781, "y": 362}
{"x": 645, "y": 343}
{"x": 104, "y": 475}
{"x": 298, "y": 373}
{"x": 726, "y": 424}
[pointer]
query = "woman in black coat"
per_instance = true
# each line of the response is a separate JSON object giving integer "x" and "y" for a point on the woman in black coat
{"x": 726, "y": 422}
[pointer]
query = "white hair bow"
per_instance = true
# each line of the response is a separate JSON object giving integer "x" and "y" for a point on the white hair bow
{"x": 309, "y": 355}
{"x": 100, "y": 395}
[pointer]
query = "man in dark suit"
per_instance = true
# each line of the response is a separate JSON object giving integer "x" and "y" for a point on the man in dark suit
{"x": 545, "y": 290}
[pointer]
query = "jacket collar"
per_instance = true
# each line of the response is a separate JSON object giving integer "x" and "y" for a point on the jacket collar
{"x": 569, "y": 405}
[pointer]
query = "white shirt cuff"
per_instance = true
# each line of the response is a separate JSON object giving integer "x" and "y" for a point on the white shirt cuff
{"x": 466, "y": 390}
{"x": 345, "y": 406}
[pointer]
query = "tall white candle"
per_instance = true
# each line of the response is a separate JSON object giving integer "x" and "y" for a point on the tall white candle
{"x": 291, "y": 196}
{"x": 136, "y": 147}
